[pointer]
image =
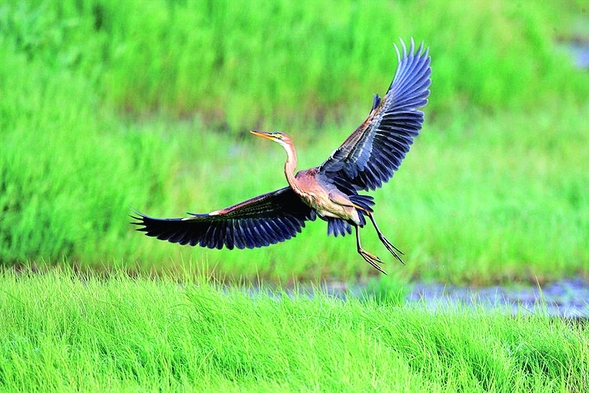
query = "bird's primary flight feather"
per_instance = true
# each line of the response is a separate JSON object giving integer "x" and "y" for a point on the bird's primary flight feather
{"x": 266, "y": 219}
{"x": 372, "y": 153}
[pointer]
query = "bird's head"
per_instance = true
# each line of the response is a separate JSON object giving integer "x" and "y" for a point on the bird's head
{"x": 278, "y": 137}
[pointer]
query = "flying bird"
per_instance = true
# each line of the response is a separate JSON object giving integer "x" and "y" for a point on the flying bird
{"x": 367, "y": 158}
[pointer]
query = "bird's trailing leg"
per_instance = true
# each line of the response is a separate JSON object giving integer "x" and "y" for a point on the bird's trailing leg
{"x": 389, "y": 246}
{"x": 373, "y": 260}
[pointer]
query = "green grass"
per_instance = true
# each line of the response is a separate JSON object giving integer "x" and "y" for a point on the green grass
{"x": 497, "y": 205}
{"x": 108, "y": 107}
{"x": 66, "y": 332}
{"x": 239, "y": 64}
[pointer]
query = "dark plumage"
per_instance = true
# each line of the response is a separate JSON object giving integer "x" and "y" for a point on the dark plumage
{"x": 376, "y": 149}
{"x": 258, "y": 222}
{"x": 368, "y": 158}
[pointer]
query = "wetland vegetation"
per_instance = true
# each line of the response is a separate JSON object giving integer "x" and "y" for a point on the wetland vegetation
{"x": 108, "y": 106}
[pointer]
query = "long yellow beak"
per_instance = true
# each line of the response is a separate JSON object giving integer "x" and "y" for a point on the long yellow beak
{"x": 265, "y": 135}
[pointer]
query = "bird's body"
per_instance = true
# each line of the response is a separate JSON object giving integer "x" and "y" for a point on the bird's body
{"x": 367, "y": 158}
{"x": 325, "y": 198}
{"x": 313, "y": 188}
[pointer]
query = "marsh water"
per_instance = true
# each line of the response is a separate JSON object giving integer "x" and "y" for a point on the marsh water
{"x": 567, "y": 298}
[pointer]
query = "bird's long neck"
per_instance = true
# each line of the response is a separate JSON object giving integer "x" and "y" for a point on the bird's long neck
{"x": 290, "y": 166}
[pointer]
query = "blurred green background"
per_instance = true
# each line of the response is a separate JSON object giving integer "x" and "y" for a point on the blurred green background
{"x": 107, "y": 106}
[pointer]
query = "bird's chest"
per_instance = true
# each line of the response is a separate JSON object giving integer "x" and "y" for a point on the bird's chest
{"x": 318, "y": 196}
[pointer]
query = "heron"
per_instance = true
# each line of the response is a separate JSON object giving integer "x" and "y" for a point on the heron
{"x": 367, "y": 159}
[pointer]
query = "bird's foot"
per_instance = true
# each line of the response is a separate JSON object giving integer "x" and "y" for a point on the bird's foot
{"x": 372, "y": 259}
{"x": 392, "y": 249}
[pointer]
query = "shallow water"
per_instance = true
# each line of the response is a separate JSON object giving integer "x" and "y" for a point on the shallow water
{"x": 567, "y": 298}
{"x": 577, "y": 45}
{"x": 580, "y": 54}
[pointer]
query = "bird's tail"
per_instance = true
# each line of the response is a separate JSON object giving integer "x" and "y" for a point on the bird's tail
{"x": 364, "y": 201}
{"x": 337, "y": 226}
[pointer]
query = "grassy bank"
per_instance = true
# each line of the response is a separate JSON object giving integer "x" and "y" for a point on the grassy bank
{"x": 66, "y": 333}
{"x": 108, "y": 107}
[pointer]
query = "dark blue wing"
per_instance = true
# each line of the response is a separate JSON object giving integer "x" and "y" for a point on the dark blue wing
{"x": 258, "y": 222}
{"x": 376, "y": 149}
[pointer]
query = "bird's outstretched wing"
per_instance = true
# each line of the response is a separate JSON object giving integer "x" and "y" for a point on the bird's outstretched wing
{"x": 266, "y": 219}
{"x": 375, "y": 150}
